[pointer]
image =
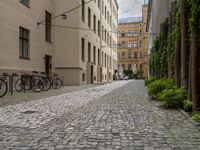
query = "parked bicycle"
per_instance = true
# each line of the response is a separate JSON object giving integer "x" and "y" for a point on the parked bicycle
{"x": 46, "y": 81}
{"x": 29, "y": 82}
{"x": 56, "y": 82}
{"x": 3, "y": 86}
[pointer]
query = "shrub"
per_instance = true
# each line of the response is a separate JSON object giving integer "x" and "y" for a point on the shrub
{"x": 159, "y": 85}
{"x": 148, "y": 81}
{"x": 187, "y": 105}
{"x": 173, "y": 98}
{"x": 196, "y": 116}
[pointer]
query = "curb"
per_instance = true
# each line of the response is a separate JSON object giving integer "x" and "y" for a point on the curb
{"x": 187, "y": 116}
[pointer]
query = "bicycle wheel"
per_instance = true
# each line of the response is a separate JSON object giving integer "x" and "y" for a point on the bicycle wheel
{"x": 56, "y": 83}
{"x": 38, "y": 85}
{"x": 19, "y": 85}
{"x": 3, "y": 88}
{"x": 47, "y": 84}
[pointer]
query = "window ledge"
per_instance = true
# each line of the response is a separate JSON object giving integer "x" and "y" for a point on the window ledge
{"x": 24, "y": 58}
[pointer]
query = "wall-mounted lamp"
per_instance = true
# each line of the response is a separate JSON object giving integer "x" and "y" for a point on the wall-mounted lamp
{"x": 64, "y": 16}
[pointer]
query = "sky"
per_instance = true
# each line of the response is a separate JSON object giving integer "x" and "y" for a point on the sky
{"x": 130, "y": 8}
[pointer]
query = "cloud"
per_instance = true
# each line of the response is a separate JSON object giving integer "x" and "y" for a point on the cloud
{"x": 130, "y": 8}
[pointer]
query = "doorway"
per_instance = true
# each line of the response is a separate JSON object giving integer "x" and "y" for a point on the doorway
{"x": 47, "y": 64}
{"x": 92, "y": 73}
{"x": 101, "y": 75}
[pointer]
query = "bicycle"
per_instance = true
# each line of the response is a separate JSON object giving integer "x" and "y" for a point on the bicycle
{"x": 29, "y": 82}
{"x": 56, "y": 82}
{"x": 46, "y": 81}
{"x": 3, "y": 87}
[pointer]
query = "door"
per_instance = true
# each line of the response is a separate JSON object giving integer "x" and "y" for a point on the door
{"x": 47, "y": 64}
{"x": 101, "y": 75}
{"x": 92, "y": 72}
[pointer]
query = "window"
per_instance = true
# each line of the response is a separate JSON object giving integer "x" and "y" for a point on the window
{"x": 48, "y": 27}
{"x": 102, "y": 32}
{"x": 129, "y": 33}
{"x": 107, "y": 38}
{"x": 83, "y": 49}
{"x": 25, "y": 2}
{"x": 110, "y": 62}
{"x": 94, "y": 55}
{"x": 129, "y": 44}
{"x": 141, "y": 32}
{"x": 129, "y": 55}
{"x": 123, "y": 44}
{"x": 99, "y": 28}
{"x": 99, "y": 4}
{"x": 99, "y": 57}
{"x": 135, "y": 55}
{"x": 110, "y": 21}
{"x": 135, "y": 33}
{"x": 94, "y": 23}
{"x": 24, "y": 43}
{"x": 105, "y": 35}
{"x": 105, "y": 11}
{"x": 105, "y": 60}
{"x": 89, "y": 52}
{"x": 141, "y": 67}
{"x": 102, "y": 58}
{"x": 108, "y": 17}
{"x": 83, "y": 77}
{"x": 141, "y": 43}
{"x": 135, "y": 44}
{"x": 111, "y": 42}
{"x": 102, "y": 7}
{"x": 89, "y": 17}
{"x": 123, "y": 34}
{"x": 123, "y": 55}
{"x": 83, "y": 10}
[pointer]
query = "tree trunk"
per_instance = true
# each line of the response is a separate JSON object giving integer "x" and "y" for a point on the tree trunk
{"x": 194, "y": 62}
{"x": 189, "y": 78}
{"x": 184, "y": 62}
{"x": 178, "y": 61}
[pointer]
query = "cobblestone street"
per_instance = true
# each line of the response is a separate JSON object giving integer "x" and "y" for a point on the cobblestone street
{"x": 117, "y": 115}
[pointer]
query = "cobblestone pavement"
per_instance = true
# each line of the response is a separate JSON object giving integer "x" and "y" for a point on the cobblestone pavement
{"x": 120, "y": 117}
{"x": 20, "y": 97}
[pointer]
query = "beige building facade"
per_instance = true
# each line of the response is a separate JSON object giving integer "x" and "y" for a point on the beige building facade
{"x": 79, "y": 45}
{"x": 133, "y": 52}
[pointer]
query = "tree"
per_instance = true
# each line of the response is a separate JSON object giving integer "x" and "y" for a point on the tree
{"x": 184, "y": 48}
{"x": 194, "y": 54}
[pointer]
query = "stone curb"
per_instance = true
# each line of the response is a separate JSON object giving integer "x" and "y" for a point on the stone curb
{"x": 186, "y": 115}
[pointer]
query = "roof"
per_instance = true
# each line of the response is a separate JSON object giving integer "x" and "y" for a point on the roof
{"x": 130, "y": 20}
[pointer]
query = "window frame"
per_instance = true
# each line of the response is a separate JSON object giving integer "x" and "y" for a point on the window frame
{"x": 83, "y": 10}
{"x": 22, "y": 41}
{"x": 83, "y": 49}
{"x": 48, "y": 28}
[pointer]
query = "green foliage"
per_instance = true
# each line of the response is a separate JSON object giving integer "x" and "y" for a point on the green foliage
{"x": 187, "y": 105}
{"x": 196, "y": 116}
{"x": 173, "y": 98}
{"x": 194, "y": 20}
{"x": 159, "y": 56}
{"x": 159, "y": 85}
{"x": 139, "y": 73}
{"x": 148, "y": 81}
{"x": 128, "y": 73}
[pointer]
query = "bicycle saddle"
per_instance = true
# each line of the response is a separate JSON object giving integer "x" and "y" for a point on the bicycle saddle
{"x": 34, "y": 72}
